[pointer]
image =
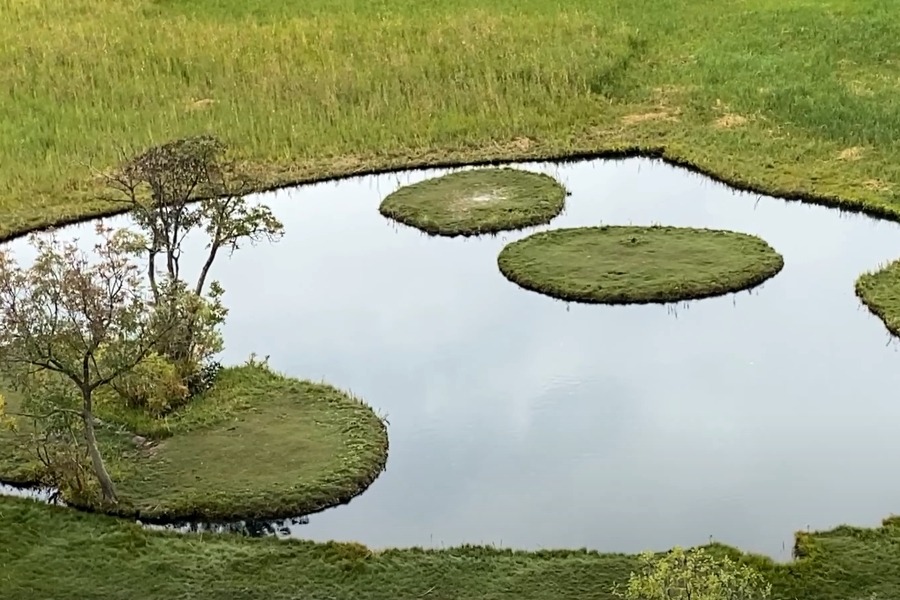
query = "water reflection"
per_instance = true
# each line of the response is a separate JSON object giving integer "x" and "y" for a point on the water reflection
{"x": 522, "y": 421}
{"x": 253, "y": 528}
{"x": 47, "y": 495}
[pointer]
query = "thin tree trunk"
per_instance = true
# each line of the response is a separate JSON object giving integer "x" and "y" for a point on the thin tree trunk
{"x": 204, "y": 273}
{"x": 151, "y": 272}
{"x": 107, "y": 487}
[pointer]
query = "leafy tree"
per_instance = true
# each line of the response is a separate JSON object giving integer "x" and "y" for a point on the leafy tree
{"x": 174, "y": 189}
{"x": 69, "y": 325}
{"x": 693, "y": 575}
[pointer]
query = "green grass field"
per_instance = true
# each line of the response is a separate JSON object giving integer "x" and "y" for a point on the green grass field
{"x": 798, "y": 98}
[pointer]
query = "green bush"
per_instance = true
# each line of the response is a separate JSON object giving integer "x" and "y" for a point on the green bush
{"x": 693, "y": 575}
{"x": 154, "y": 385}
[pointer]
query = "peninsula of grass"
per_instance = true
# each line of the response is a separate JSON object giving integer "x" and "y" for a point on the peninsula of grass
{"x": 634, "y": 265}
{"x": 476, "y": 202}
{"x": 880, "y": 292}
{"x": 53, "y": 552}
{"x": 258, "y": 445}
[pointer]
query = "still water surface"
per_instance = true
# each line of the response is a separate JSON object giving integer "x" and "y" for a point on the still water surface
{"x": 521, "y": 421}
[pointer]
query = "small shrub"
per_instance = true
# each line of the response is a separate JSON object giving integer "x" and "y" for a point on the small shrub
{"x": 154, "y": 385}
{"x": 203, "y": 379}
{"x": 693, "y": 575}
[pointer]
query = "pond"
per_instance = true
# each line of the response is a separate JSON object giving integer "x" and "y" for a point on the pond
{"x": 525, "y": 422}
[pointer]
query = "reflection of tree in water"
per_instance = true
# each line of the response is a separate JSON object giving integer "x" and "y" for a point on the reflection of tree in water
{"x": 40, "y": 494}
{"x": 251, "y": 528}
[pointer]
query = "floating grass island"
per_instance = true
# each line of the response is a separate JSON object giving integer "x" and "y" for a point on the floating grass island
{"x": 478, "y": 201}
{"x": 634, "y": 265}
{"x": 259, "y": 445}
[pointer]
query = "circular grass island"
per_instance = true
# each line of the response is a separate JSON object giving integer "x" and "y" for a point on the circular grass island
{"x": 258, "y": 445}
{"x": 477, "y": 201}
{"x": 638, "y": 265}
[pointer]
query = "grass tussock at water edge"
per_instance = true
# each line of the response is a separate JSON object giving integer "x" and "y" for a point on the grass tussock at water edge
{"x": 880, "y": 292}
{"x": 477, "y": 201}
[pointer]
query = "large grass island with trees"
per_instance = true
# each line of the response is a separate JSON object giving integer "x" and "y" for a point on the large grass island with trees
{"x": 111, "y": 393}
{"x": 112, "y": 353}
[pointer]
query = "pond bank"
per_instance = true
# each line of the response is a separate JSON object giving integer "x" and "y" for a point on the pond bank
{"x": 747, "y": 95}
{"x": 59, "y": 553}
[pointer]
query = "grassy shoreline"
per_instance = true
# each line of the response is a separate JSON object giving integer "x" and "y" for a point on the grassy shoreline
{"x": 59, "y": 553}
{"x": 532, "y": 82}
{"x": 795, "y": 100}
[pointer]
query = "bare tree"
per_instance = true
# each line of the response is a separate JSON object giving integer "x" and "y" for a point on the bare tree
{"x": 184, "y": 185}
{"x": 68, "y": 318}
{"x": 171, "y": 190}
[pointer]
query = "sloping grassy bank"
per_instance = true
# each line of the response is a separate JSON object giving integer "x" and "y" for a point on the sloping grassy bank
{"x": 50, "y": 552}
{"x": 258, "y": 445}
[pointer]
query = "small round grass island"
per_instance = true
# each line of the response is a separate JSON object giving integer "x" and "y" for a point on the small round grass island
{"x": 258, "y": 445}
{"x": 638, "y": 265}
{"x": 478, "y": 201}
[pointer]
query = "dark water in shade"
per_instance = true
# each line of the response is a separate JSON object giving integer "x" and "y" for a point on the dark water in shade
{"x": 524, "y": 422}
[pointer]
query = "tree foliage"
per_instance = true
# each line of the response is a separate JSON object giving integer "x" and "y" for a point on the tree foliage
{"x": 69, "y": 324}
{"x": 153, "y": 386}
{"x": 124, "y": 323}
{"x": 7, "y": 421}
{"x": 693, "y": 575}
{"x": 171, "y": 190}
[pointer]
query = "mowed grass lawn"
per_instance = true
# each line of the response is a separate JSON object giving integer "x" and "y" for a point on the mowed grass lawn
{"x": 258, "y": 445}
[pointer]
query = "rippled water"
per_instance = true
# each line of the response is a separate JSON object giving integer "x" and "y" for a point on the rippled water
{"x": 525, "y": 422}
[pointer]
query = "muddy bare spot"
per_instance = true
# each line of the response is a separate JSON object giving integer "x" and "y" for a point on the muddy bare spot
{"x": 877, "y": 185}
{"x": 199, "y": 104}
{"x": 479, "y": 198}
